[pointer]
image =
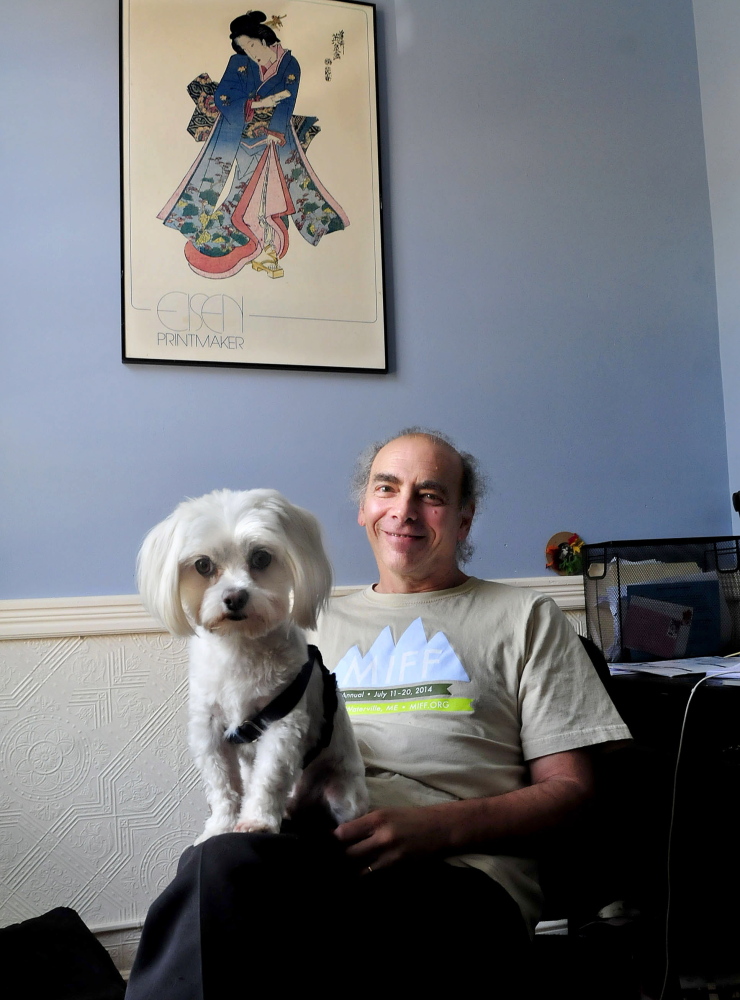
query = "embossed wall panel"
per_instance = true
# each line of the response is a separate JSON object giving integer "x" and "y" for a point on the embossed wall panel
{"x": 98, "y": 796}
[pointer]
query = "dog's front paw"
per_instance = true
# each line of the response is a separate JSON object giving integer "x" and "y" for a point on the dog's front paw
{"x": 214, "y": 826}
{"x": 256, "y": 826}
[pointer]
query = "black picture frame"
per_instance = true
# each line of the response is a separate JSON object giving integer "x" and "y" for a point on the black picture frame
{"x": 269, "y": 252}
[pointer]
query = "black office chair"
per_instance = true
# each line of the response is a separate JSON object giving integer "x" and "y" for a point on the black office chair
{"x": 594, "y": 957}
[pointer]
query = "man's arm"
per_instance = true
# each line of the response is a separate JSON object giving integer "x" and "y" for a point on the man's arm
{"x": 561, "y": 783}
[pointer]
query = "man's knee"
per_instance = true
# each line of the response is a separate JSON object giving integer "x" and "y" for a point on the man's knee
{"x": 251, "y": 859}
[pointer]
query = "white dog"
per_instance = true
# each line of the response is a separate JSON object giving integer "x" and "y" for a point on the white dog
{"x": 243, "y": 573}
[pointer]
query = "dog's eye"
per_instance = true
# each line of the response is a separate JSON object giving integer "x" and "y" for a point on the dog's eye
{"x": 204, "y": 566}
{"x": 260, "y": 559}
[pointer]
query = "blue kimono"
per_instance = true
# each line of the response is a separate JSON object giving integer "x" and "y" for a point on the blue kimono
{"x": 272, "y": 180}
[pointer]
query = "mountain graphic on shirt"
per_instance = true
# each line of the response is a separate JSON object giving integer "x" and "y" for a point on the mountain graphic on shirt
{"x": 412, "y": 660}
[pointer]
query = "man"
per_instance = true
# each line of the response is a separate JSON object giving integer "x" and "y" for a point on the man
{"x": 473, "y": 703}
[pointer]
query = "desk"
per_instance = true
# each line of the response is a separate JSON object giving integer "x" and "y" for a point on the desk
{"x": 705, "y": 856}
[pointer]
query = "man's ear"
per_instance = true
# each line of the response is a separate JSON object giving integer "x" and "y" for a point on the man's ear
{"x": 466, "y": 520}
{"x": 361, "y": 516}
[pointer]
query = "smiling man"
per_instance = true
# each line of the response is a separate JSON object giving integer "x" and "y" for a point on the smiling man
{"x": 473, "y": 703}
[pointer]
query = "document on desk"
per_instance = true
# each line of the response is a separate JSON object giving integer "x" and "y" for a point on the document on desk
{"x": 671, "y": 617}
{"x": 681, "y": 619}
{"x": 714, "y": 666}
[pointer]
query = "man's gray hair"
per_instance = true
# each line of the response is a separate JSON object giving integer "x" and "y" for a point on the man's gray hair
{"x": 472, "y": 484}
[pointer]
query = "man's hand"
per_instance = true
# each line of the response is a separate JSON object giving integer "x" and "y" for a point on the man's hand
{"x": 561, "y": 783}
{"x": 385, "y": 836}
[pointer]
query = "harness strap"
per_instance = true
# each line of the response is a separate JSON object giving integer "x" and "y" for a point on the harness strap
{"x": 331, "y": 700}
{"x": 251, "y": 729}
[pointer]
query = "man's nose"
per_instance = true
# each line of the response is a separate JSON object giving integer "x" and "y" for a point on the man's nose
{"x": 405, "y": 508}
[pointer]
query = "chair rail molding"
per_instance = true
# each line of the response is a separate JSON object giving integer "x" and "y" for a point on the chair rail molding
{"x": 60, "y": 617}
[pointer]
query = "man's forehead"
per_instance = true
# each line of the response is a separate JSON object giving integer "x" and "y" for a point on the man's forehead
{"x": 421, "y": 460}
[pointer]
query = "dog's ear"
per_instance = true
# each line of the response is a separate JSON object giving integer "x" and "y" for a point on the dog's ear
{"x": 309, "y": 564}
{"x": 158, "y": 574}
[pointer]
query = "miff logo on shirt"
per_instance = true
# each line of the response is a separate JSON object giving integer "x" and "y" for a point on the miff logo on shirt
{"x": 407, "y": 676}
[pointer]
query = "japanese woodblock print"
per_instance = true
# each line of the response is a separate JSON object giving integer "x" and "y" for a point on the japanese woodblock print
{"x": 251, "y": 189}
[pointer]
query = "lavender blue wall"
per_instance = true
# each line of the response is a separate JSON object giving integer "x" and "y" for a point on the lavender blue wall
{"x": 551, "y": 283}
{"x": 718, "y": 40}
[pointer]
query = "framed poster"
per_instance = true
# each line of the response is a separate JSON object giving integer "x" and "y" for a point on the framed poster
{"x": 251, "y": 186}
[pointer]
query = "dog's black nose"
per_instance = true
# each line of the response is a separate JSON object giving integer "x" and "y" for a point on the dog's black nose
{"x": 235, "y": 600}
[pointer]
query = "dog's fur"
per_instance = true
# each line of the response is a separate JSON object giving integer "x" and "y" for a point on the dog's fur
{"x": 202, "y": 572}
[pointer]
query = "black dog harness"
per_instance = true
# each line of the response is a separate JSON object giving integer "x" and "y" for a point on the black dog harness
{"x": 251, "y": 729}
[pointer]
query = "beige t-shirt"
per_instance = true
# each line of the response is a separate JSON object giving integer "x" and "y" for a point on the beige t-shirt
{"x": 451, "y": 693}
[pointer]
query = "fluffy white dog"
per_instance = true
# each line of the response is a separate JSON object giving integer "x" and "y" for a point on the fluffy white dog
{"x": 243, "y": 573}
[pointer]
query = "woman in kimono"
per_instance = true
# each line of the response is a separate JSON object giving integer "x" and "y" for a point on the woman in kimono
{"x": 254, "y": 142}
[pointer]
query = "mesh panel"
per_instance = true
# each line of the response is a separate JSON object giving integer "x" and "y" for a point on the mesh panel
{"x": 663, "y": 599}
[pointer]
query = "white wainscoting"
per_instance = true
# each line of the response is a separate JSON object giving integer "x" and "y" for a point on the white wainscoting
{"x": 98, "y": 796}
